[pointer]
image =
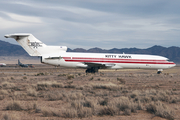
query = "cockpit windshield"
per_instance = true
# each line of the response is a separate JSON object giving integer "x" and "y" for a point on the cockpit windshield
{"x": 169, "y": 60}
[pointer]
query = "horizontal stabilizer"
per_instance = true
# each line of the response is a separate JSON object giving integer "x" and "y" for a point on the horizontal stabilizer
{"x": 16, "y": 35}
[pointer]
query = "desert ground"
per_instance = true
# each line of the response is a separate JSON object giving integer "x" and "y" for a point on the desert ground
{"x": 53, "y": 93}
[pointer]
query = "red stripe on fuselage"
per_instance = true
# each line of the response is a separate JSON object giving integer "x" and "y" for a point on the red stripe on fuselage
{"x": 94, "y": 61}
{"x": 109, "y": 60}
{"x": 81, "y": 58}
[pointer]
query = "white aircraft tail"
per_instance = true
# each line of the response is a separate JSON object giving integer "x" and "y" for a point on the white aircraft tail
{"x": 33, "y": 46}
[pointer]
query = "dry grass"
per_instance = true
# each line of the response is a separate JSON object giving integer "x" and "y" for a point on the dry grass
{"x": 70, "y": 76}
{"x": 72, "y": 94}
{"x": 109, "y": 86}
{"x": 69, "y": 113}
{"x": 32, "y": 92}
{"x": 3, "y": 92}
{"x": 57, "y": 85}
{"x": 44, "y": 85}
{"x": 55, "y": 95}
{"x": 49, "y": 112}
{"x": 7, "y": 116}
{"x": 107, "y": 110}
{"x": 154, "y": 95}
{"x": 7, "y": 85}
{"x": 14, "y": 105}
{"x": 161, "y": 110}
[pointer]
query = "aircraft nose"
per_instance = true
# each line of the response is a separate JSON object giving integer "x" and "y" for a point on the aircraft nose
{"x": 173, "y": 64}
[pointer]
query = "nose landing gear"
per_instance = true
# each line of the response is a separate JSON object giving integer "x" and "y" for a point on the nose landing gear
{"x": 159, "y": 71}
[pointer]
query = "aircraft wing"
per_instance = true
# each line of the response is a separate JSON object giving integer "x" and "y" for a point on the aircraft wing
{"x": 101, "y": 65}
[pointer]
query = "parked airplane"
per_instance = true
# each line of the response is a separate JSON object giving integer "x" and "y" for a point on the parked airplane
{"x": 22, "y": 65}
{"x": 2, "y": 64}
{"x": 57, "y": 55}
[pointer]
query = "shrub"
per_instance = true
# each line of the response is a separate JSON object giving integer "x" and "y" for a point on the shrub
{"x": 122, "y": 81}
{"x": 39, "y": 74}
{"x": 107, "y": 110}
{"x": 7, "y": 116}
{"x": 69, "y": 113}
{"x": 75, "y": 96}
{"x": 135, "y": 94}
{"x": 161, "y": 110}
{"x": 24, "y": 77}
{"x": 127, "y": 112}
{"x": 89, "y": 103}
{"x": 84, "y": 112}
{"x": 80, "y": 110}
{"x": 139, "y": 105}
{"x": 109, "y": 86}
{"x": 54, "y": 95}
{"x": 61, "y": 75}
{"x": 76, "y": 104}
{"x": 91, "y": 78}
{"x": 44, "y": 85}
{"x": 57, "y": 85}
{"x": 70, "y": 76}
{"x": 2, "y": 97}
{"x": 7, "y": 85}
{"x": 14, "y": 105}
{"x": 123, "y": 103}
{"x": 104, "y": 102}
{"x": 3, "y": 92}
{"x": 32, "y": 92}
{"x": 48, "y": 112}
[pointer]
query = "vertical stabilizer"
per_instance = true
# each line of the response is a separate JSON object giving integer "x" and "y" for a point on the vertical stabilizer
{"x": 33, "y": 46}
{"x": 19, "y": 62}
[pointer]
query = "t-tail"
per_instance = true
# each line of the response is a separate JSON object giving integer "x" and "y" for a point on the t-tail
{"x": 35, "y": 47}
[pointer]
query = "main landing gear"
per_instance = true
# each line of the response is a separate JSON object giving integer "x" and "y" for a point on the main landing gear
{"x": 159, "y": 71}
{"x": 92, "y": 70}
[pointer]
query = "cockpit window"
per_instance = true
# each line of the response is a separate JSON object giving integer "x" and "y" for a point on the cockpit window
{"x": 169, "y": 60}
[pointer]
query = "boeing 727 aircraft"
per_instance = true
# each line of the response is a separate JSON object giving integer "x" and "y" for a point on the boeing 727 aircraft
{"x": 57, "y": 55}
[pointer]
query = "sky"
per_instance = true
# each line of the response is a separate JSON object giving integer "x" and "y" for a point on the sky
{"x": 87, "y": 24}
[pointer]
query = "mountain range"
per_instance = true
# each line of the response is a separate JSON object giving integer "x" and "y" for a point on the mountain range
{"x": 173, "y": 53}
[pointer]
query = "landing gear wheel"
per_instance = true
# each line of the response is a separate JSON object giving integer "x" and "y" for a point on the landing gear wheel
{"x": 95, "y": 69}
{"x": 92, "y": 70}
{"x": 88, "y": 71}
{"x": 159, "y": 71}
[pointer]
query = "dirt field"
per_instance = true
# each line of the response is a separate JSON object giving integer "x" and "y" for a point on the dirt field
{"x": 46, "y": 92}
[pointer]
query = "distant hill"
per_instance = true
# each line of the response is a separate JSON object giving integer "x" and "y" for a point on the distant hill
{"x": 173, "y": 53}
{"x": 7, "y": 49}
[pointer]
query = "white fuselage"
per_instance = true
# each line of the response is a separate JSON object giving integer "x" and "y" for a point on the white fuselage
{"x": 126, "y": 61}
